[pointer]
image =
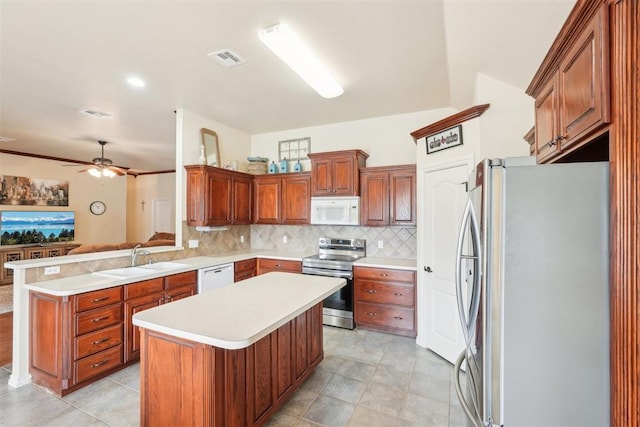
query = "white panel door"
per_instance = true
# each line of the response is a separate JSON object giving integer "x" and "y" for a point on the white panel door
{"x": 161, "y": 216}
{"x": 445, "y": 196}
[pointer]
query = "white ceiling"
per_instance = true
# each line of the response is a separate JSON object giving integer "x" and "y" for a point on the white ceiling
{"x": 391, "y": 57}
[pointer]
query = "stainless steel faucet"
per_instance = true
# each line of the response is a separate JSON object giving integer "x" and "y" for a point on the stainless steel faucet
{"x": 137, "y": 251}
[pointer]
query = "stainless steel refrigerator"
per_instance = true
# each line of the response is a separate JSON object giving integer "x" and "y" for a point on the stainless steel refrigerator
{"x": 533, "y": 294}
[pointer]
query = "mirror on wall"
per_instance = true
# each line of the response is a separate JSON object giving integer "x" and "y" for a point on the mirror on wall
{"x": 210, "y": 151}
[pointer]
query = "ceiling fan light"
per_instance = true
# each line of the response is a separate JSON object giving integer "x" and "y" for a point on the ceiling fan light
{"x": 286, "y": 44}
{"x": 108, "y": 173}
{"x": 94, "y": 172}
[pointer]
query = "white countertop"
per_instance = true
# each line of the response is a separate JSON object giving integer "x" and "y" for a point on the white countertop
{"x": 393, "y": 263}
{"x": 238, "y": 315}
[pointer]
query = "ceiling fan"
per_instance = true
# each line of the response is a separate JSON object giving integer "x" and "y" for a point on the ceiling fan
{"x": 103, "y": 166}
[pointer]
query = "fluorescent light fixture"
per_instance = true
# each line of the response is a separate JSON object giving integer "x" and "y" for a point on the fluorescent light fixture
{"x": 292, "y": 51}
{"x": 136, "y": 81}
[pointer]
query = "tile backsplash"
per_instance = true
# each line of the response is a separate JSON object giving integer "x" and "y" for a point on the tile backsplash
{"x": 397, "y": 242}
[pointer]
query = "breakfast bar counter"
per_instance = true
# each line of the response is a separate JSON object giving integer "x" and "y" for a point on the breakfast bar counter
{"x": 234, "y": 355}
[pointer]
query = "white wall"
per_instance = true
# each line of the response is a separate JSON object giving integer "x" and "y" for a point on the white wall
{"x": 83, "y": 189}
{"x": 504, "y": 124}
{"x": 146, "y": 188}
{"x": 385, "y": 139}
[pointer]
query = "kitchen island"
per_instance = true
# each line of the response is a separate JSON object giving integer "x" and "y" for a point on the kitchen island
{"x": 234, "y": 355}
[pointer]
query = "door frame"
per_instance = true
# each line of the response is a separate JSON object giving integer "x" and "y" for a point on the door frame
{"x": 422, "y": 315}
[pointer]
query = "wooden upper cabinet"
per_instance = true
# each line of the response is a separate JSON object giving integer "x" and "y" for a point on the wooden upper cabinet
{"x": 283, "y": 199}
{"x": 572, "y": 86}
{"x": 336, "y": 173}
{"x": 388, "y": 196}
{"x": 218, "y": 196}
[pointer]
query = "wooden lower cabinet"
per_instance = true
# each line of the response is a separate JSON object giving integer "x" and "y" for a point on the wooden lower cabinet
{"x": 189, "y": 383}
{"x": 244, "y": 269}
{"x": 385, "y": 300}
{"x": 266, "y": 265}
{"x": 75, "y": 340}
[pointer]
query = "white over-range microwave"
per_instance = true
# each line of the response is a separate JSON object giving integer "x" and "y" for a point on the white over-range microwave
{"x": 335, "y": 210}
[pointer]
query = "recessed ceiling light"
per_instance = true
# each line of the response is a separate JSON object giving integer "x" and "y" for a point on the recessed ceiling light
{"x": 136, "y": 81}
{"x": 6, "y": 139}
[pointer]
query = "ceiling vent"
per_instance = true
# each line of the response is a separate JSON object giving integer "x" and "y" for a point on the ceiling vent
{"x": 226, "y": 58}
{"x": 95, "y": 113}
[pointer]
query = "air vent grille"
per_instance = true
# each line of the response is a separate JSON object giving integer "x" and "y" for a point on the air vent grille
{"x": 226, "y": 58}
{"x": 95, "y": 113}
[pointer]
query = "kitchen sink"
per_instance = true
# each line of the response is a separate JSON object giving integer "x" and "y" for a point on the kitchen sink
{"x": 164, "y": 265}
{"x": 123, "y": 272}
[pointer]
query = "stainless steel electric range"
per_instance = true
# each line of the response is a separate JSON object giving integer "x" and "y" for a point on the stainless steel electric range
{"x": 335, "y": 258}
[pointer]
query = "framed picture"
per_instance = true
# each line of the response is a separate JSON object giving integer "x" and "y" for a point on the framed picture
{"x": 448, "y": 138}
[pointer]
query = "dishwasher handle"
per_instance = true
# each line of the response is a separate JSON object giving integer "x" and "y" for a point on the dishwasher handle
{"x": 217, "y": 269}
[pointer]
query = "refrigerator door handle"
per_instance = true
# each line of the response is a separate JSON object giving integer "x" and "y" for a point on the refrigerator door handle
{"x": 469, "y": 319}
{"x": 456, "y": 382}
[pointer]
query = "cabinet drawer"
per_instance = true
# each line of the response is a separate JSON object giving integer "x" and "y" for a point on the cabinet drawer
{"x": 268, "y": 264}
{"x": 95, "y": 299}
{"x": 384, "y": 315}
{"x": 98, "y": 341}
{"x": 385, "y": 274}
{"x": 98, "y": 363}
{"x": 139, "y": 289}
{"x": 385, "y": 293}
{"x": 181, "y": 279}
{"x": 245, "y": 265}
{"x": 242, "y": 275}
{"x": 98, "y": 319}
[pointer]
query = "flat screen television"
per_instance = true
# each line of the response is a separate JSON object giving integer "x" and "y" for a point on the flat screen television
{"x": 36, "y": 227}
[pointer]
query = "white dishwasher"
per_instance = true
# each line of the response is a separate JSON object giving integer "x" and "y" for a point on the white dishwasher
{"x": 215, "y": 277}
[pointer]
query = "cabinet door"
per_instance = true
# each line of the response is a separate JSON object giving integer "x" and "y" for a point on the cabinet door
{"x": 267, "y": 200}
{"x": 132, "y": 332}
{"x": 322, "y": 181}
{"x": 242, "y": 200}
{"x": 375, "y": 199}
{"x": 345, "y": 177}
{"x": 10, "y": 255}
{"x": 546, "y": 110}
{"x": 402, "y": 197}
{"x": 218, "y": 199}
{"x": 296, "y": 199}
{"x": 180, "y": 293}
{"x": 583, "y": 78}
{"x": 196, "y": 191}
{"x": 35, "y": 253}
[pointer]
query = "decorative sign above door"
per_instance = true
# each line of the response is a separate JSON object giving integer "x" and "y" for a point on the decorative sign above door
{"x": 448, "y": 138}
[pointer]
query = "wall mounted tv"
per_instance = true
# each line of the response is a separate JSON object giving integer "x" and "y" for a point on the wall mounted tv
{"x": 36, "y": 227}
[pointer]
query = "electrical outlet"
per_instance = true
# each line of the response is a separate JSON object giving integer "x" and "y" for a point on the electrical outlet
{"x": 285, "y": 239}
{"x": 242, "y": 238}
{"x": 54, "y": 269}
{"x": 193, "y": 243}
{"x": 380, "y": 244}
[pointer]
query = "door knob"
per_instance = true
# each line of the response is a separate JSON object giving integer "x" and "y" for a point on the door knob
{"x": 428, "y": 269}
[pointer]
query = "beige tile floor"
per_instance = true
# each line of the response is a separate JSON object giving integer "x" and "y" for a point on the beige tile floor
{"x": 366, "y": 379}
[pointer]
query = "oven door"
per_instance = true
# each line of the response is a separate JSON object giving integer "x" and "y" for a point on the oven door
{"x": 337, "y": 308}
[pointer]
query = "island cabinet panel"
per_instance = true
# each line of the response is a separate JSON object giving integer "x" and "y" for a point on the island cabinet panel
{"x": 266, "y": 265}
{"x": 188, "y": 383}
{"x": 336, "y": 173}
{"x": 75, "y": 340}
{"x": 385, "y": 300}
{"x": 244, "y": 269}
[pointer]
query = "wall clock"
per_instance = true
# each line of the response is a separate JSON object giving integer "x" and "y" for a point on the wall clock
{"x": 97, "y": 207}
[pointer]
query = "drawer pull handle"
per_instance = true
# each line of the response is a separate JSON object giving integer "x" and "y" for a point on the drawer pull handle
{"x": 278, "y": 265}
{"x": 101, "y": 341}
{"x": 370, "y": 291}
{"x": 397, "y": 317}
{"x": 369, "y": 313}
{"x": 398, "y": 294}
{"x": 104, "y": 362}
{"x": 99, "y": 319}
{"x": 99, "y": 299}
{"x": 384, "y": 275}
